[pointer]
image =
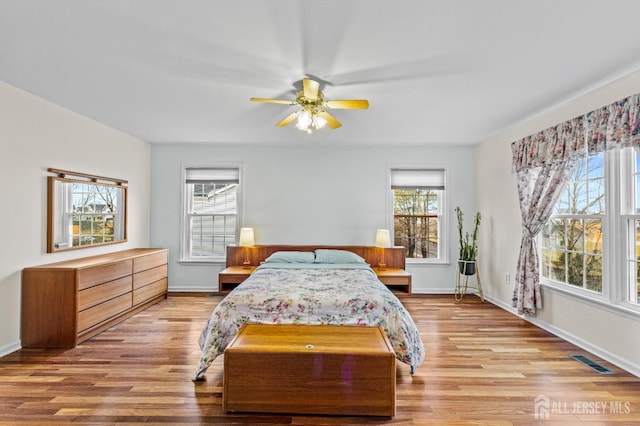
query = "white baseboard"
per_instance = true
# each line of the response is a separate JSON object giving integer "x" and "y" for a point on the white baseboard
{"x": 599, "y": 352}
{"x": 10, "y": 348}
{"x": 445, "y": 290}
{"x": 202, "y": 289}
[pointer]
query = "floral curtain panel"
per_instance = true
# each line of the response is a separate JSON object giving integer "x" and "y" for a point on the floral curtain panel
{"x": 544, "y": 161}
{"x": 538, "y": 191}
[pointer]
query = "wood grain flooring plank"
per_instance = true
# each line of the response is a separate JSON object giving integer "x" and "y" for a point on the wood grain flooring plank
{"x": 483, "y": 366}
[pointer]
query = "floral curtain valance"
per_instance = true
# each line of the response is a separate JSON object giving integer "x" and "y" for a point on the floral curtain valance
{"x": 616, "y": 125}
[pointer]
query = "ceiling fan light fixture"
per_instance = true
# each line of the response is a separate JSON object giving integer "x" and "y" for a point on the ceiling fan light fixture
{"x": 319, "y": 122}
{"x": 310, "y": 120}
{"x": 304, "y": 121}
{"x": 314, "y": 114}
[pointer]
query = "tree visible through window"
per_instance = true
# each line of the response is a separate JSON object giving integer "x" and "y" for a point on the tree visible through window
{"x": 92, "y": 215}
{"x": 572, "y": 238}
{"x": 415, "y": 222}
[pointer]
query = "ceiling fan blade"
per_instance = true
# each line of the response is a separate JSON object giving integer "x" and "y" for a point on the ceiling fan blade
{"x": 273, "y": 101}
{"x": 414, "y": 70}
{"x": 310, "y": 88}
{"x": 348, "y": 104}
{"x": 331, "y": 122}
{"x": 288, "y": 119}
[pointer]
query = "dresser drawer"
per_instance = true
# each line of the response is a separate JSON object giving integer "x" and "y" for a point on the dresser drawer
{"x": 95, "y": 275}
{"x": 150, "y": 291}
{"x": 150, "y": 275}
{"x": 95, "y": 315}
{"x": 95, "y": 295}
{"x": 149, "y": 261}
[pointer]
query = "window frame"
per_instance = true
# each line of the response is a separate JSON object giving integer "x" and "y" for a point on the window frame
{"x": 629, "y": 214}
{"x": 567, "y": 216}
{"x": 185, "y": 237}
{"x": 443, "y": 218}
{"x": 616, "y": 236}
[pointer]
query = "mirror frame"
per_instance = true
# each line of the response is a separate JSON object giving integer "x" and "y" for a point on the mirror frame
{"x": 52, "y": 215}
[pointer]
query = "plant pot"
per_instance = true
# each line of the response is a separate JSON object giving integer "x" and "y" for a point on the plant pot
{"x": 467, "y": 267}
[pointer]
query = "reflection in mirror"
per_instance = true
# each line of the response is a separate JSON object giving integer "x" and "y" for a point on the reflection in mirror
{"x": 84, "y": 213}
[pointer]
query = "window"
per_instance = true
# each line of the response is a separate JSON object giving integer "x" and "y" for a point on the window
{"x": 84, "y": 214}
{"x": 572, "y": 238}
{"x": 631, "y": 220}
{"x": 210, "y": 222}
{"x": 591, "y": 244}
{"x": 418, "y": 205}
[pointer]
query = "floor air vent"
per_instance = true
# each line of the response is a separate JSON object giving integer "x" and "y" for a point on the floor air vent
{"x": 592, "y": 364}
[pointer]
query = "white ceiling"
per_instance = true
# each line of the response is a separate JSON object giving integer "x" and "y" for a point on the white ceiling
{"x": 434, "y": 71}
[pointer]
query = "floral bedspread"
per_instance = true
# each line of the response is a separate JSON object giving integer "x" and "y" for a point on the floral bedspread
{"x": 311, "y": 296}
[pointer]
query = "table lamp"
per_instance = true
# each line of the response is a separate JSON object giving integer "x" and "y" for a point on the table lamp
{"x": 246, "y": 240}
{"x": 382, "y": 240}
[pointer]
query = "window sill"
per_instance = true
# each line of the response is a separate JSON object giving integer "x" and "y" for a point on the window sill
{"x": 600, "y": 301}
{"x": 424, "y": 262}
{"x": 202, "y": 262}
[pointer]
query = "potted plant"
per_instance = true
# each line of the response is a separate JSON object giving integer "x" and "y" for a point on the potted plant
{"x": 468, "y": 244}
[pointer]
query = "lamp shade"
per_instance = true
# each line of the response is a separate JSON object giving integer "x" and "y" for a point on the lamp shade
{"x": 382, "y": 238}
{"x": 246, "y": 237}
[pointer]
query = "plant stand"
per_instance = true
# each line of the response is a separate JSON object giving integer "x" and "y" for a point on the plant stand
{"x": 462, "y": 279}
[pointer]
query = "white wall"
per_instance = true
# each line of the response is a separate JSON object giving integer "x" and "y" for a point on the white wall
{"x": 608, "y": 334}
{"x": 292, "y": 195}
{"x": 35, "y": 135}
{"x": 307, "y": 194}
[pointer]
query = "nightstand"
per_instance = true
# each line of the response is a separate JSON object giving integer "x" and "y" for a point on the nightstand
{"x": 393, "y": 277}
{"x": 230, "y": 277}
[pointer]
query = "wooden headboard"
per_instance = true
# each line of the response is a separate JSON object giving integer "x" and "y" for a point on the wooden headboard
{"x": 394, "y": 257}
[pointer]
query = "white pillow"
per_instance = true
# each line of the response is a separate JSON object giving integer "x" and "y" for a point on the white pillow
{"x": 337, "y": 256}
{"x": 291, "y": 257}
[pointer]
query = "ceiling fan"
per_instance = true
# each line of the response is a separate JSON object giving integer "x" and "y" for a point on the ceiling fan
{"x": 313, "y": 114}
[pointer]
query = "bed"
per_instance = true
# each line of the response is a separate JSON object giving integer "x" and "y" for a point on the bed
{"x": 334, "y": 286}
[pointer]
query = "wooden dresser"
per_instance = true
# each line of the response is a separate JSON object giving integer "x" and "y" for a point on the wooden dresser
{"x": 68, "y": 302}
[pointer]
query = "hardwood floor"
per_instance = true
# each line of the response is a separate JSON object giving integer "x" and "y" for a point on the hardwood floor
{"x": 483, "y": 366}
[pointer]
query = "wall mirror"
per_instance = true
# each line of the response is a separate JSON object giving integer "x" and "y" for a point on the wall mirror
{"x": 84, "y": 211}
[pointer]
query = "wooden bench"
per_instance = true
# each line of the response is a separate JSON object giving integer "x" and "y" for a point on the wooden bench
{"x": 310, "y": 369}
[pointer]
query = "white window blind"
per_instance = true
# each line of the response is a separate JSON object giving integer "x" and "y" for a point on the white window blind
{"x": 417, "y": 179}
{"x": 213, "y": 176}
